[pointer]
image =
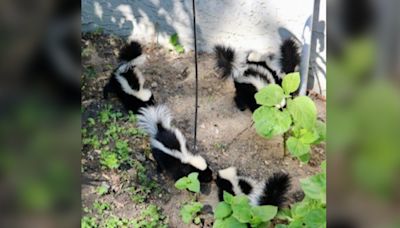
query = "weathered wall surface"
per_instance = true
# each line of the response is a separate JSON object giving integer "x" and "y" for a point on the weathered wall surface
{"x": 243, "y": 24}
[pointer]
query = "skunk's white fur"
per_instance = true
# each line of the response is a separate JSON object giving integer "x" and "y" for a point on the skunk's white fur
{"x": 252, "y": 71}
{"x": 156, "y": 121}
{"x": 127, "y": 81}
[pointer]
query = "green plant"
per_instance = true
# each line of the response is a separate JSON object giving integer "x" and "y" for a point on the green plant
{"x": 101, "y": 207}
{"x": 174, "y": 41}
{"x": 236, "y": 211}
{"x": 299, "y": 117}
{"x": 191, "y": 183}
{"x": 88, "y": 222}
{"x": 109, "y": 160}
{"x": 115, "y": 222}
{"x": 311, "y": 211}
{"x": 151, "y": 217}
{"x": 189, "y": 212}
{"x": 102, "y": 189}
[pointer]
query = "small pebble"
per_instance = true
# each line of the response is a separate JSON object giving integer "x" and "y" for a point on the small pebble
{"x": 154, "y": 84}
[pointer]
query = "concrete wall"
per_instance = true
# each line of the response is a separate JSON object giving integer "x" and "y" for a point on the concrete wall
{"x": 243, "y": 24}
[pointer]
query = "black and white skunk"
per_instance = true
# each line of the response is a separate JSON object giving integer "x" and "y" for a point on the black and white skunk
{"x": 269, "y": 192}
{"x": 127, "y": 81}
{"x": 252, "y": 71}
{"x": 169, "y": 146}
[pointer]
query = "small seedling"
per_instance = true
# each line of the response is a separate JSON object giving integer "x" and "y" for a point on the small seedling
{"x": 88, "y": 222}
{"x": 189, "y": 212}
{"x": 102, "y": 189}
{"x": 299, "y": 117}
{"x": 311, "y": 212}
{"x": 109, "y": 160}
{"x": 191, "y": 183}
{"x": 101, "y": 207}
{"x": 174, "y": 40}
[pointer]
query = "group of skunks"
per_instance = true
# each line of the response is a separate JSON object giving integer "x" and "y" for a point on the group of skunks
{"x": 250, "y": 71}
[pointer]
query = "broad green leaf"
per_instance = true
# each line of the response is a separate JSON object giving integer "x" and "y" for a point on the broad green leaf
{"x": 270, "y": 122}
{"x": 182, "y": 183}
{"x": 186, "y": 217}
{"x": 291, "y": 82}
{"x": 194, "y": 183}
{"x": 305, "y": 158}
{"x": 315, "y": 187}
{"x": 303, "y": 111}
{"x": 296, "y": 224}
{"x": 265, "y": 213}
{"x": 284, "y": 214}
{"x": 222, "y": 210}
{"x": 241, "y": 209}
{"x": 232, "y": 222}
{"x": 281, "y": 226}
{"x": 308, "y": 136}
{"x": 316, "y": 218}
{"x": 270, "y": 95}
{"x": 218, "y": 223}
{"x": 228, "y": 198}
{"x": 296, "y": 147}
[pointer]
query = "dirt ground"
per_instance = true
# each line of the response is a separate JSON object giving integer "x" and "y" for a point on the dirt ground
{"x": 225, "y": 136}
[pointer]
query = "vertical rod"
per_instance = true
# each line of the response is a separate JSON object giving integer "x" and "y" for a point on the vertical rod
{"x": 196, "y": 75}
{"x": 305, "y": 57}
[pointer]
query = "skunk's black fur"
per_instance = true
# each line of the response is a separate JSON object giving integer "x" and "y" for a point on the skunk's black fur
{"x": 251, "y": 74}
{"x": 225, "y": 57}
{"x": 130, "y": 51}
{"x": 169, "y": 145}
{"x": 244, "y": 96}
{"x": 273, "y": 191}
{"x": 127, "y": 81}
{"x": 290, "y": 56}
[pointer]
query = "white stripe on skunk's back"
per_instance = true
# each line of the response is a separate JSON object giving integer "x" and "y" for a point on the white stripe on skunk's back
{"x": 151, "y": 116}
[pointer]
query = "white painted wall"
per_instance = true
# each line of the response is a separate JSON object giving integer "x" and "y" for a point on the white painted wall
{"x": 243, "y": 24}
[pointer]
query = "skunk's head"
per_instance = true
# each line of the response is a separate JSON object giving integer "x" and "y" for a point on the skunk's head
{"x": 200, "y": 165}
{"x": 206, "y": 176}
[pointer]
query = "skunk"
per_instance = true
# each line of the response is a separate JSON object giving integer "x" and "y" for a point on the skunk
{"x": 269, "y": 192}
{"x": 169, "y": 146}
{"x": 127, "y": 81}
{"x": 252, "y": 71}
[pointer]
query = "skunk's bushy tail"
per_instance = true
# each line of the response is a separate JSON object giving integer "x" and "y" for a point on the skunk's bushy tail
{"x": 275, "y": 190}
{"x": 130, "y": 51}
{"x": 150, "y": 117}
{"x": 290, "y": 56}
{"x": 225, "y": 57}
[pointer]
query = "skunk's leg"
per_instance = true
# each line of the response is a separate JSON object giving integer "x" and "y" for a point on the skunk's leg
{"x": 240, "y": 103}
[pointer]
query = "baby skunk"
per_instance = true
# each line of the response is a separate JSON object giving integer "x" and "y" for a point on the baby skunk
{"x": 169, "y": 146}
{"x": 270, "y": 192}
{"x": 127, "y": 81}
{"x": 252, "y": 71}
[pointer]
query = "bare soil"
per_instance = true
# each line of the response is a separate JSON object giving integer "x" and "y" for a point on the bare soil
{"x": 225, "y": 136}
